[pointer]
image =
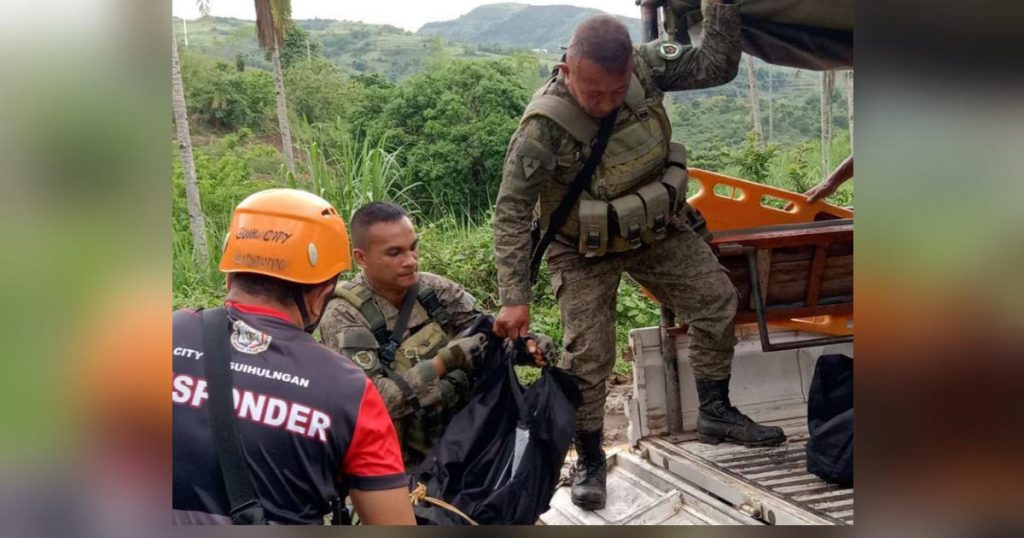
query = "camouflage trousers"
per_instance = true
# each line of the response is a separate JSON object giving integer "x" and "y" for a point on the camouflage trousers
{"x": 680, "y": 270}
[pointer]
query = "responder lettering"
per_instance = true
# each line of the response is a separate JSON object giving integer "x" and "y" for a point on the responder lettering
{"x": 259, "y": 408}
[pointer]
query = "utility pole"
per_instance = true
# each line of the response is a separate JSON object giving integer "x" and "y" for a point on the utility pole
{"x": 184, "y": 24}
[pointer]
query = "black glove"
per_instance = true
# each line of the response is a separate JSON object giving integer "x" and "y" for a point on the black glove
{"x": 549, "y": 350}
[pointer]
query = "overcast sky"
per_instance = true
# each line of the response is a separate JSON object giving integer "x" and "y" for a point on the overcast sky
{"x": 408, "y": 14}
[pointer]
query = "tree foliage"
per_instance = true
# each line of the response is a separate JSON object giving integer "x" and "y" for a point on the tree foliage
{"x": 297, "y": 47}
{"x": 220, "y": 96}
{"x": 453, "y": 125}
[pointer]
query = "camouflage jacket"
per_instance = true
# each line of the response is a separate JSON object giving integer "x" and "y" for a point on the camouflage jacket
{"x": 713, "y": 62}
{"x": 442, "y": 396}
{"x": 341, "y": 316}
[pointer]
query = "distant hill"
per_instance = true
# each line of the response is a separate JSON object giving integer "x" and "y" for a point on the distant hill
{"x": 353, "y": 46}
{"x": 519, "y": 26}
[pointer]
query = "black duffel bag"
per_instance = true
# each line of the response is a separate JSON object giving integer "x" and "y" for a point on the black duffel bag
{"x": 830, "y": 420}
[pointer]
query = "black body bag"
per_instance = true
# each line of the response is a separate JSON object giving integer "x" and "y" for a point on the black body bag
{"x": 500, "y": 457}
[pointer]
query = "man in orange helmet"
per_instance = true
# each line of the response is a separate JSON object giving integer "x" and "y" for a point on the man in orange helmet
{"x": 269, "y": 425}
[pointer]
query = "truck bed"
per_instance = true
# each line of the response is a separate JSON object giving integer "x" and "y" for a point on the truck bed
{"x": 772, "y": 484}
{"x": 673, "y": 479}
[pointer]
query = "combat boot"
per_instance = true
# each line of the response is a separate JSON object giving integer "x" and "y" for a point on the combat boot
{"x": 719, "y": 421}
{"x": 588, "y": 486}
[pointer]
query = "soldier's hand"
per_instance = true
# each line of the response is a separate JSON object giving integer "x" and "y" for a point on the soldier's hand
{"x": 512, "y": 321}
{"x": 461, "y": 353}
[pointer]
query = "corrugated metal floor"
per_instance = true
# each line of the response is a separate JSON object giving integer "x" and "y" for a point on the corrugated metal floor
{"x": 779, "y": 472}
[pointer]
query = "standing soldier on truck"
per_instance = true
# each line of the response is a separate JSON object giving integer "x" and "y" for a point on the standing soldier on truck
{"x": 606, "y": 97}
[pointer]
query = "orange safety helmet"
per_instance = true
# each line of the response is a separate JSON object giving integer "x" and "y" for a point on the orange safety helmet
{"x": 288, "y": 234}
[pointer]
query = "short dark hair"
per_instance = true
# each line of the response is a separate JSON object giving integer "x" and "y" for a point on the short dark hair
{"x": 271, "y": 288}
{"x": 604, "y": 40}
{"x": 370, "y": 214}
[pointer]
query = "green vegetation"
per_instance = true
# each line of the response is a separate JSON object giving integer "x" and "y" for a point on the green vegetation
{"x": 352, "y": 47}
{"x": 432, "y": 134}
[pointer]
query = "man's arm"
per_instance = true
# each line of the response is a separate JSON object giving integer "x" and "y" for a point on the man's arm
{"x": 828, "y": 187}
{"x": 712, "y": 63}
{"x": 373, "y": 466}
{"x": 383, "y": 507}
{"x": 529, "y": 164}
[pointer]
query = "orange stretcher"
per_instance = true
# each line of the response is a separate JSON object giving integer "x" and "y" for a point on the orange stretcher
{"x": 791, "y": 261}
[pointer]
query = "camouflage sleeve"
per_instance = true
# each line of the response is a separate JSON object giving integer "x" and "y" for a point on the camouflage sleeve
{"x": 342, "y": 325}
{"x": 456, "y": 301}
{"x": 529, "y": 163}
{"x": 715, "y": 61}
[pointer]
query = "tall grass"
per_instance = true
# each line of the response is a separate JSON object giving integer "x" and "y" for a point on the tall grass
{"x": 361, "y": 173}
{"x": 356, "y": 174}
{"x": 795, "y": 167}
{"x": 193, "y": 285}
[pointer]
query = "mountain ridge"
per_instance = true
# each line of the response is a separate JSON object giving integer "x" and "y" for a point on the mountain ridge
{"x": 520, "y": 26}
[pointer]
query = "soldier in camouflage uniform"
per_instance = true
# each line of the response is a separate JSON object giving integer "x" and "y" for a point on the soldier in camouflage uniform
{"x": 429, "y": 379}
{"x": 631, "y": 219}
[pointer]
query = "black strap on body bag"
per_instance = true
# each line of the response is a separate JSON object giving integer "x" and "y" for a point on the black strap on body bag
{"x": 579, "y": 184}
{"x": 245, "y": 508}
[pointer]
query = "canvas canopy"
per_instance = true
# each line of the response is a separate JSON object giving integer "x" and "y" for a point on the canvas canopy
{"x": 806, "y": 34}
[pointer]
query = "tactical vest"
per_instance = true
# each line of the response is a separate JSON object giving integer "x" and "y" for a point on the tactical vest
{"x": 639, "y": 185}
{"x": 417, "y": 430}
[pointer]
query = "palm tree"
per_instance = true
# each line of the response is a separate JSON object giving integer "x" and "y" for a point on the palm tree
{"x": 755, "y": 102}
{"x": 827, "y": 84}
{"x": 272, "y": 17}
{"x": 197, "y": 224}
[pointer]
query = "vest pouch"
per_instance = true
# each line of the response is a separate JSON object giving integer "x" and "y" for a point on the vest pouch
{"x": 677, "y": 154}
{"x": 593, "y": 228}
{"x": 657, "y": 204}
{"x": 628, "y": 212}
{"x": 421, "y": 345}
{"x": 675, "y": 179}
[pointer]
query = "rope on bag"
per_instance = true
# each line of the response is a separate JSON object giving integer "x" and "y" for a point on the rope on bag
{"x": 420, "y": 494}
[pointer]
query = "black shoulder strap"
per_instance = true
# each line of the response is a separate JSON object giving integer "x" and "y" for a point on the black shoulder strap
{"x": 245, "y": 507}
{"x": 579, "y": 184}
{"x": 432, "y": 304}
{"x": 387, "y": 352}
